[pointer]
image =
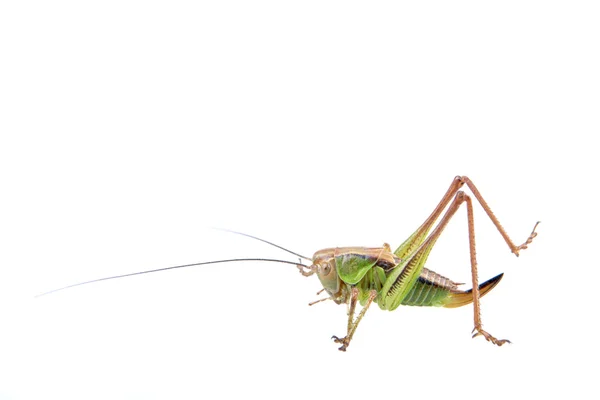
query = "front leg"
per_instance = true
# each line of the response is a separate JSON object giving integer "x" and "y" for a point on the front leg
{"x": 345, "y": 341}
{"x": 353, "y": 324}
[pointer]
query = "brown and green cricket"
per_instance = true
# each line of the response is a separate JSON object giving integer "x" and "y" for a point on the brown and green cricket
{"x": 367, "y": 275}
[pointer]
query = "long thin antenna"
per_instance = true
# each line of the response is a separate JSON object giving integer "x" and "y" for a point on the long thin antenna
{"x": 168, "y": 268}
{"x": 264, "y": 241}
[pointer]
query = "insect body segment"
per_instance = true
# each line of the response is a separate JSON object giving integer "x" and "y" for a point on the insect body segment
{"x": 430, "y": 289}
{"x": 355, "y": 266}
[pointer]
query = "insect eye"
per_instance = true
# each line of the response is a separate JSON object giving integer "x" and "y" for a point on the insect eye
{"x": 325, "y": 269}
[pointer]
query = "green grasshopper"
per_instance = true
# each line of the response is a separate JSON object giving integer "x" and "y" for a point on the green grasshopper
{"x": 352, "y": 275}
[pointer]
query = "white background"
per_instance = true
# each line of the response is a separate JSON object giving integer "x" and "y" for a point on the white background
{"x": 129, "y": 129}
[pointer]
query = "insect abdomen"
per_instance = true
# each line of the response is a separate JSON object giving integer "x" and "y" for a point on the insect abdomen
{"x": 432, "y": 289}
{"x": 425, "y": 293}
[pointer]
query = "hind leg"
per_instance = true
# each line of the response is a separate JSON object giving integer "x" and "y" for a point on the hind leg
{"x": 419, "y": 236}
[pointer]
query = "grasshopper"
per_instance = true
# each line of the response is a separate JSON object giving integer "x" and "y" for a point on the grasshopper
{"x": 367, "y": 275}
